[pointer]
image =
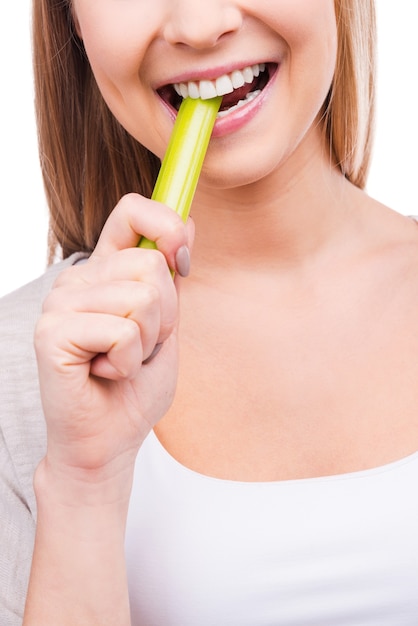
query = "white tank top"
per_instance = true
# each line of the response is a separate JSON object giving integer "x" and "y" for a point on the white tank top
{"x": 333, "y": 551}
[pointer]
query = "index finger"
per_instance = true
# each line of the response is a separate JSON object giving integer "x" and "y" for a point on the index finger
{"x": 135, "y": 216}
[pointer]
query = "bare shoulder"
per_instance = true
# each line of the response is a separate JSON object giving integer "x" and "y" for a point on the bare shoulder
{"x": 384, "y": 270}
{"x": 393, "y": 239}
{"x": 391, "y": 236}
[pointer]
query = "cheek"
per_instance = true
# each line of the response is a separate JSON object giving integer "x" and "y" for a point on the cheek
{"x": 116, "y": 49}
{"x": 299, "y": 19}
{"x": 306, "y": 26}
{"x": 112, "y": 37}
{"x": 312, "y": 47}
{"x": 109, "y": 59}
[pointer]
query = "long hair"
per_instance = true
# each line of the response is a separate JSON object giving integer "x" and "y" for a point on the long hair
{"x": 89, "y": 161}
{"x": 350, "y": 105}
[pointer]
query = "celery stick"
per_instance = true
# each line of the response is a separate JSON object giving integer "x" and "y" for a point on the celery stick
{"x": 180, "y": 170}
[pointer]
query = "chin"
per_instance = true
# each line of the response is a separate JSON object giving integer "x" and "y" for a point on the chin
{"x": 242, "y": 167}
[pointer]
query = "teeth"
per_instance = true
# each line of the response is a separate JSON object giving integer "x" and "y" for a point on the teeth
{"x": 206, "y": 89}
{"x": 251, "y": 96}
{"x": 224, "y": 85}
{"x": 237, "y": 79}
{"x": 194, "y": 90}
{"x": 248, "y": 74}
{"x": 184, "y": 91}
{"x": 257, "y": 70}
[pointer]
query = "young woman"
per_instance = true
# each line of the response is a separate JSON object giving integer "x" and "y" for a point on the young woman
{"x": 237, "y": 446}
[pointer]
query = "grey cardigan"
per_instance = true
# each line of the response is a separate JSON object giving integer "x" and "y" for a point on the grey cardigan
{"x": 22, "y": 438}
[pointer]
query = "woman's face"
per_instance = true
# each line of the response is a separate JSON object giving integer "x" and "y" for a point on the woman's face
{"x": 275, "y": 58}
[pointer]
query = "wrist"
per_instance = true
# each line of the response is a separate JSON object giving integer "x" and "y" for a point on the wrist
{"x": 78, "y": 571}
{"x": 61, "y": 485}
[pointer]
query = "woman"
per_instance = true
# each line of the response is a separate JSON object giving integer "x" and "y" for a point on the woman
{"x": 253, "y": 460}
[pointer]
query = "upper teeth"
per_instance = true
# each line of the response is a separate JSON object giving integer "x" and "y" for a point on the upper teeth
{"x": 206, "y": 89}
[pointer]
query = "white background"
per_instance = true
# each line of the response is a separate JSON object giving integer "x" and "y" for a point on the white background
{"x": 23, "y": 217}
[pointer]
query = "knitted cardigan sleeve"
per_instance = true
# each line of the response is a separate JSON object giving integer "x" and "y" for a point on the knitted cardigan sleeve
{"x": 22, "y": 438}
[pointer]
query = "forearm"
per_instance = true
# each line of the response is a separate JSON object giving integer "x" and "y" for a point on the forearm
{"x": 78, "y": 572}
{"x": 101, "y": 396}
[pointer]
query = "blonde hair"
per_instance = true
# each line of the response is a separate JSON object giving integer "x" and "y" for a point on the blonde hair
{"x": 350, "y": 107}
{"x": 89, "y": 161}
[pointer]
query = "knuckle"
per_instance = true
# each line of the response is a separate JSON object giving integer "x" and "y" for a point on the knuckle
{"x": 128, "y": 207}
{"x": 67, "y": 276}
{"x": 157, "y": 262}
{"x": 50, "y": 300}
{"x": 126, "y": 202}
{"x": 148, "y": 296}
{"x": 174, "y": 233}
{"x": 130, "y": 198}
{"x": 60, "y": 298}
{"x": 175, "y": 227}
{"x": 129, "y": 332}
{"x": 43, "y": 330}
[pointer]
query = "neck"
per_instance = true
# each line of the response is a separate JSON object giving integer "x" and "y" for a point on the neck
{"x": 284, "y": 219}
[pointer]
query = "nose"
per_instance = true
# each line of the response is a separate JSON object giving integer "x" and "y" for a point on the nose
{"x": 201, "y": 24}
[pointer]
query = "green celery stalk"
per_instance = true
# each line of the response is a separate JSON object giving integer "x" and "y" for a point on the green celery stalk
{"x": 180, "y": 170}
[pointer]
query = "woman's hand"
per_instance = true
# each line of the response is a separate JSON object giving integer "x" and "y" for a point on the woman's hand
{"x": 101, "y": 321}
{"x": 101, "y": 396}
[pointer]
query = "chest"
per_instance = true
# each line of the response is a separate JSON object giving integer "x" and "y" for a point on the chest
{"x": 273, "y": 391}
{"x": 340, "y": 550}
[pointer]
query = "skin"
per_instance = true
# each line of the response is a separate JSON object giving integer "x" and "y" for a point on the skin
{"x": 301, "y": 285}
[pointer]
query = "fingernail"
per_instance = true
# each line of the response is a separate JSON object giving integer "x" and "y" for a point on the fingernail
{"x": 183, "y": 261}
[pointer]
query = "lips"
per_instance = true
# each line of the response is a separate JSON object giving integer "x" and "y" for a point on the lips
{"x": 237, "y": 88}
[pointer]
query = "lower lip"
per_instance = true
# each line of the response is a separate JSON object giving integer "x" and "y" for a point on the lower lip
{"x": 243, "y": 115}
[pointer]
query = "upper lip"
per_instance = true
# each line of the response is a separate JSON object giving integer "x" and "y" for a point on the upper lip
{"x": 209, "y": 73}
